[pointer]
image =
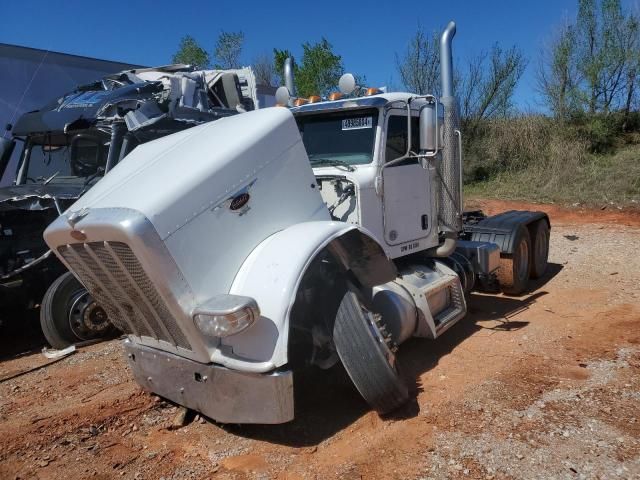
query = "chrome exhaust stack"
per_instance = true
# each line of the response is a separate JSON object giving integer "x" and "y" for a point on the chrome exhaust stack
{"x": 288, "y": 76}
{"x": 450, "y": 197}
{"x": 286, "y": 93}
{"x": 446, "y": 59}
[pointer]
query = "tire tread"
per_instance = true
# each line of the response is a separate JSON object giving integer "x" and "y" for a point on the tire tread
{"x": 375, "y": 379}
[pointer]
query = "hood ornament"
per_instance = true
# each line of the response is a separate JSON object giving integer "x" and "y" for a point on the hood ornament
{"x": 75, "y": 217}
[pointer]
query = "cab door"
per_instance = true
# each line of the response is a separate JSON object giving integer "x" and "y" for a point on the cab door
{"x": 406, "y": 186}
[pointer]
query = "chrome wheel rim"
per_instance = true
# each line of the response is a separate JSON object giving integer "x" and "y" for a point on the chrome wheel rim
{"x": 382, "y": 337}
{"x": 87, "y": 319}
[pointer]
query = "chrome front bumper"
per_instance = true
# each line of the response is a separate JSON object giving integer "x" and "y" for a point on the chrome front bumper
{"x": 224, "y": 395}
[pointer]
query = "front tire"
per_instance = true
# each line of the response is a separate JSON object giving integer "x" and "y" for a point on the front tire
{"x": 368, "y": 356}
{"x": 513, "y": 273}
{"x": 69, "y": 315}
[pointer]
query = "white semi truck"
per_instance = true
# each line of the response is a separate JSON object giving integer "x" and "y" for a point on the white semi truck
{"x": 236, "y": 252}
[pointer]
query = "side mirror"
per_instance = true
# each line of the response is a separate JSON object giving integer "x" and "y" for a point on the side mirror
{"x": 6, "y": 149}
{"x": 429, "y": 129}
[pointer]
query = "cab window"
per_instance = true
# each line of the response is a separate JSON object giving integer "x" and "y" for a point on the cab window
{"x": 396, "y": 144}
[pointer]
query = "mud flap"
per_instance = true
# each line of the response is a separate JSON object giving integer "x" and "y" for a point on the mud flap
{"x": 502, "y": 229}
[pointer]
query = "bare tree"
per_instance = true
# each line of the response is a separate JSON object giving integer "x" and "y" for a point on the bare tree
{"x": 589, "y": 58}
{"x": 264, "y": 70}
{"x": 419, "y": 68}
{"x": 487, "y": 84}
{"x": 227, "y": 50}
{"x": 632, "y": 79}
{"x": 600, "y": 52}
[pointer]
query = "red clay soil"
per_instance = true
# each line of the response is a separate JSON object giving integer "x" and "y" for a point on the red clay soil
{"x": 629, "y": 216}
{"x": 545, "y": 385}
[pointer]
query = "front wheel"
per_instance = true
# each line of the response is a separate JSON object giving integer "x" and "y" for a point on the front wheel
{"x": 368, "y": 355}
{"x": 69, "y": 315}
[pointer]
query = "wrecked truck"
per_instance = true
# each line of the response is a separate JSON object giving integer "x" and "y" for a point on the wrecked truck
{"x": 67, "y": 147}
{"x": 330, "y": 230}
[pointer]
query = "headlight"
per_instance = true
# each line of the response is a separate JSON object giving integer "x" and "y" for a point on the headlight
{"x": 225, "y": 315}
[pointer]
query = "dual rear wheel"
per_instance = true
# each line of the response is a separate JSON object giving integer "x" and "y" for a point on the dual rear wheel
{"x": 529, "y": 259}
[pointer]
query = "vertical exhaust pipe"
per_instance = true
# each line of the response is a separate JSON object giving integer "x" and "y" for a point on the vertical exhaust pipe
{"x": 450, "y": 208}
{"x": 446, "y": 59}
{"x": 288, "y": 76}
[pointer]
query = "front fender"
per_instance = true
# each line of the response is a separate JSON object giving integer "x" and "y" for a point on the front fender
{"x": 271, "y": 275}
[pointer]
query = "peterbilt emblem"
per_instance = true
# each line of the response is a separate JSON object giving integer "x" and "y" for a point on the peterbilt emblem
{"x": 239, "y": 201}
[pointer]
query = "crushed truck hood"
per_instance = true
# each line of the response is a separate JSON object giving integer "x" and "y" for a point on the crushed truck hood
{"x": 38, "y": 196}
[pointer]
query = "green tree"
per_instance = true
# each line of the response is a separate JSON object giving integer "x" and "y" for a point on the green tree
{"x": 228, "y": 49}
{"x": 191, "y": 53}
{"x": 318, "y": 71}
{"x": 279, "y": 57}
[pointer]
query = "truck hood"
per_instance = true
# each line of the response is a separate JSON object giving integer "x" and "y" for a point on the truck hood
{"x": 212, "y": 194}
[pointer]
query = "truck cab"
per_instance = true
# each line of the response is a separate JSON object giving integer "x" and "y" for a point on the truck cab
{"x": 358, "y": 149}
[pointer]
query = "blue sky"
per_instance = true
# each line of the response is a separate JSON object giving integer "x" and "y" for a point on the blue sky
{"x": 366, "y": 34}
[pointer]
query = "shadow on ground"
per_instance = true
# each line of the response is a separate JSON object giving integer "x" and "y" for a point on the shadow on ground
{"x": 20, "y": 333}
{"x": 327, "y": 402}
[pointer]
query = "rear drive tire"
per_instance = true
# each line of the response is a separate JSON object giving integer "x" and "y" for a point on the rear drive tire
{"x": 69, "y": 315}
{"x": 513, "y": 273}
{"x": 368, "y": 356}
{"x": 540, "y": 249}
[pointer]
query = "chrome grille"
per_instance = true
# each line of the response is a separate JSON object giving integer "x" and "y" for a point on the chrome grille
{"x": 117, "y": 281}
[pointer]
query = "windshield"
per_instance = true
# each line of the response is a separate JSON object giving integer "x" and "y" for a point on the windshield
{"x": 67, "y": 158}
{"x": 339, "y": 138}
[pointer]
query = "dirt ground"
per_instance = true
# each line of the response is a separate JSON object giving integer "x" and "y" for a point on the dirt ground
{"x": 546, "y": 385}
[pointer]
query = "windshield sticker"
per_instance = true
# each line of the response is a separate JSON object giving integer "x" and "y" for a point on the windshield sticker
{"x": 357, "y": 123}
{"x": 84, "y": 100}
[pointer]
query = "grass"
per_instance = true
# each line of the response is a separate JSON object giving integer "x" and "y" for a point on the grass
{"x": 537, "y": 159}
